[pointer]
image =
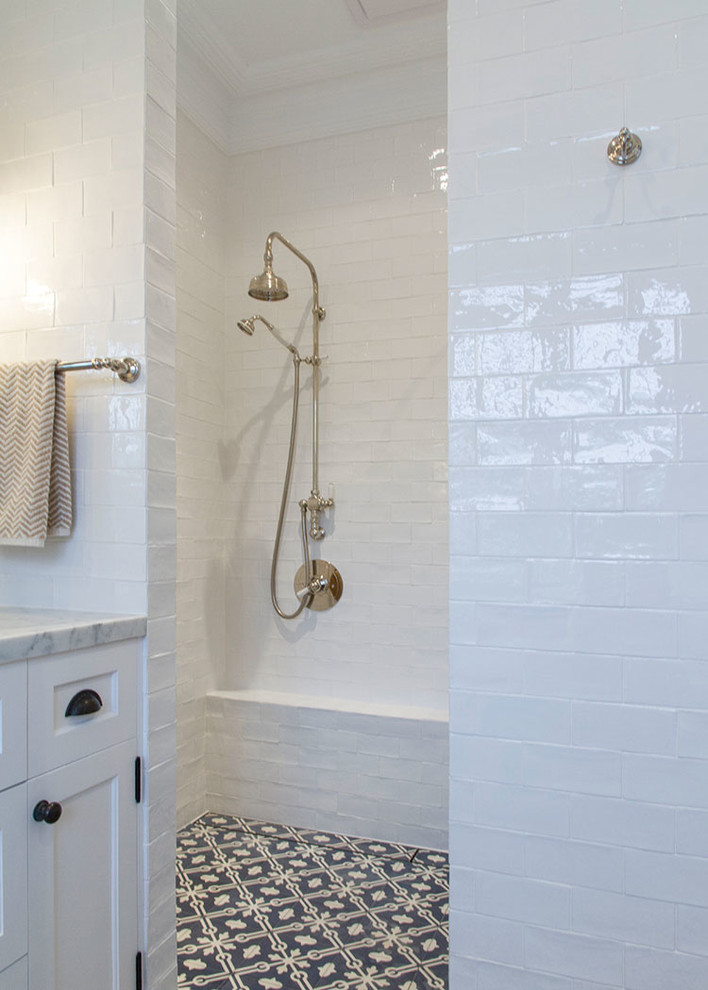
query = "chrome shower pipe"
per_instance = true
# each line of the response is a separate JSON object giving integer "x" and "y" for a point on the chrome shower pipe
{"x": 315, "y": 503}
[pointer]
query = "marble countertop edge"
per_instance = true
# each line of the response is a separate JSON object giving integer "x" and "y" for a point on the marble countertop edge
{"x": 26, "y": 632}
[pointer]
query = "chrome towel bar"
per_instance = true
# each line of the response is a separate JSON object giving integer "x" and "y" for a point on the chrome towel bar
{"x": 127, "y": 369}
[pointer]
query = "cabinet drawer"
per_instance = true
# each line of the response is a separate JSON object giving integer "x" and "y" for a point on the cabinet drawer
{"x": 13, "y": 730}
{"x": 58, "y": 737}
{"x": 15, "y": 978}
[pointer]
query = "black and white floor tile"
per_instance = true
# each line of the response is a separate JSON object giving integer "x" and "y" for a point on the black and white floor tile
{"x": 272, "y": 907}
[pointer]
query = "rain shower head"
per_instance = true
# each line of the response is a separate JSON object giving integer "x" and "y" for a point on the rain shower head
{"x": 268, "y": 286}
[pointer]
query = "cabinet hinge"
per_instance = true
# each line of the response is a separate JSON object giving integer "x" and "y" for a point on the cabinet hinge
{"x": 138, "y": 779}
{"x": 139, "y": 971}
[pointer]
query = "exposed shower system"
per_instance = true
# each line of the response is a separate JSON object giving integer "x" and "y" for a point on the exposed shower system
{"x": 318, "y": 584}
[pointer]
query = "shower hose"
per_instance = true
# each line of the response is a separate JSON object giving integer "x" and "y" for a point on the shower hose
{"x": 306, "y": 595}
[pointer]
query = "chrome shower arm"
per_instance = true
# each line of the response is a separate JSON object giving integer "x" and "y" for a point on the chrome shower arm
{"x": 268, "y": 259}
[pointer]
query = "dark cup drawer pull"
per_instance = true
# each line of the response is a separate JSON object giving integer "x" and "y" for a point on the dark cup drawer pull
{"x": 86, "y": 702}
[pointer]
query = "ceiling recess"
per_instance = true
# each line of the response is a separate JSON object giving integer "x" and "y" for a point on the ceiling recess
{"x": 370, "y": 13}
{"x": 306, "y": 69}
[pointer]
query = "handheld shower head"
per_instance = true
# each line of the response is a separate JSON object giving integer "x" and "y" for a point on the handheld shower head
{"x": 248, "y": 326}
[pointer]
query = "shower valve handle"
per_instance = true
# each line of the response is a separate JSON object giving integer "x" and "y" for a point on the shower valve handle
{"x": 314, "y": 504}
{"x": 314, "y": 586}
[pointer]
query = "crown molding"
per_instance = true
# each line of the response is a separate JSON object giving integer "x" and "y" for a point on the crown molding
{"x": 202, "y": 96}
{"x": 358, "y": 102}
{"x": 354, "y": 103}
{"x": 357, "y": 56}
{"x": 195, "y": 32}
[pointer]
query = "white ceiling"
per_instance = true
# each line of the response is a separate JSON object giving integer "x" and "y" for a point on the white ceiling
{"x": 373, "y": 11}
{"x": 254, "y": 74}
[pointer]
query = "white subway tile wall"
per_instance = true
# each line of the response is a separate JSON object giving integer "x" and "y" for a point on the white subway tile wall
{"x": 201, "y": 184}
{"x": 87, "y": 260}
{"x": 369, "y": 210}
{"x": 68, "y": 262}
{"x": 578, "y": 496}
{"x": 156, "y": 77}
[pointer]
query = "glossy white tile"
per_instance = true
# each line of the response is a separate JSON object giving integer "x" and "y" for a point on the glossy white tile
{"x": 625, "y": 440}
{"x": 555, "y": 116}
{"x": 621, "y": 343}
{"x": 590, "y": 203}
{"x": 626, "y": 246}
{"x": 576, "y": 582}
{"x": 522, "y": 76}
{"x": 652, "y": 99}
{"x": 523, "y": 351}
{"x": 626, "y": 392}
{"x": 590, "y": 488}
{"x": 625, "y": 55}
{"x": 549, "y": 302}
{"x": 588, "y": 394}
{"x": 525, "y": 534}
{"x": 671, "y": 389}
{"x": 623, "y": 536}
{"x": 522, "y": 442}
{"x": 558, "y": 23}
{"x": 519, "y": 257}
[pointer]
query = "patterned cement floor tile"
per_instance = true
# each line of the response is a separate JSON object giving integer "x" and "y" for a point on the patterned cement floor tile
{"x": 274, "y": 907}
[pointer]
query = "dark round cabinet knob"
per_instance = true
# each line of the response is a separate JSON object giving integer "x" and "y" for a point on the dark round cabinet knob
{"x": 47, "y": 811}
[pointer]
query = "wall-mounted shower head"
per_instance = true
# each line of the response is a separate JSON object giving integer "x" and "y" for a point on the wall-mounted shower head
{"x": 268, "y": 287}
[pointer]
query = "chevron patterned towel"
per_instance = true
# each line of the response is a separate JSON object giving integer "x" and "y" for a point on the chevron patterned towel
{"x": 35, "y": 483}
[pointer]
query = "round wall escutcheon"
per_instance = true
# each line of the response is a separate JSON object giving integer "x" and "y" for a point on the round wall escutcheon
{"x": 324, "y": 583}
{"x": 625, "y": 148}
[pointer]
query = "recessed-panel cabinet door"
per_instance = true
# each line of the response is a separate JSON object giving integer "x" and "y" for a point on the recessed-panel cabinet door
{"x": 15, "y": 978}
{"x": 13, "y": 727}
{"x": 83, "y": 874}
{"x": 13, "y": 874}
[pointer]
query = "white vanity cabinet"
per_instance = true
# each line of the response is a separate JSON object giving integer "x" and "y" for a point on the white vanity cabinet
{"x": 69, "y": 817}
{"x": 13, "y": 815}
{"x": 15, "y": 976}
{"x": 13, "y": 874}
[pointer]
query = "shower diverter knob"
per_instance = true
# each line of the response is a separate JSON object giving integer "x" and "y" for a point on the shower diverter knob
{"x": 313, "y": 587}
{"x": 324, "y": 584}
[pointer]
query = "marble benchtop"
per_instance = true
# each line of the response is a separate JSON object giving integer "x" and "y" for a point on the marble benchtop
{"x": 37, "y": 632}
